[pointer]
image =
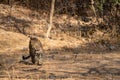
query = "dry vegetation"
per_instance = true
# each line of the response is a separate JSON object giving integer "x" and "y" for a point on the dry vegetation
{"x": 84, "y": 42}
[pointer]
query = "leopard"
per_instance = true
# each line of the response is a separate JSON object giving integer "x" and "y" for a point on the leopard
{"x": 35, "y": 51}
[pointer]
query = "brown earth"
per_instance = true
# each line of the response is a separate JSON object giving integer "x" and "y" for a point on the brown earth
{"x": 59, "y": 65}
{"x": 11, "y": 41}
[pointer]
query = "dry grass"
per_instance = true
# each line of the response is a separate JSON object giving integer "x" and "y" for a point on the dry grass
{"x": 64, "y": 66}
{"x": 11, "y": 41}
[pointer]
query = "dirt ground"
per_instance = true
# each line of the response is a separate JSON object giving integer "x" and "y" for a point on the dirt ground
{"x": 59, "y": 65}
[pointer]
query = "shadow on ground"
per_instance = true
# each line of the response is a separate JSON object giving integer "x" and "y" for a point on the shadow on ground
{"x": 14, "y": 24}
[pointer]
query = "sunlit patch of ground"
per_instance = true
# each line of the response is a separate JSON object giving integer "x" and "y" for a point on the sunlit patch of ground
{"x": 63, "y": 65}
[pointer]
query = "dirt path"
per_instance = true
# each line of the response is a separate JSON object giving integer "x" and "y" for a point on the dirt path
{"x": 63, "y": 65}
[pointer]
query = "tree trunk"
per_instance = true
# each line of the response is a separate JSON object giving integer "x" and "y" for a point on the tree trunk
{"x": 51, "y": 17}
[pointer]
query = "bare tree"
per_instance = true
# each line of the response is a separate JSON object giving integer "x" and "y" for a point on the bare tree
{"x": 10, "y": 2}
{"x": 51, "y": 17}
{"x": 93, "y": 8}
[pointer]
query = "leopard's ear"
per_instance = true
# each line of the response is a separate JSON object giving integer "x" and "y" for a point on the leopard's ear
{"x": 31, "y": 36}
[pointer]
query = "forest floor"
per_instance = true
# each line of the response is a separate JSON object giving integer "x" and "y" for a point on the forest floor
{"x": 65, "y": 57}
{"x": 61, "y": 65}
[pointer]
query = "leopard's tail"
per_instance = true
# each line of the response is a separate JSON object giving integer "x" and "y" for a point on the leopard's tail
{"x": 25, "y": 57}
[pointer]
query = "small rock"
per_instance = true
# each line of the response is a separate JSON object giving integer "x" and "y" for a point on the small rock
{"x": 112, "y": 47}
{"x": 52, "y": 76}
